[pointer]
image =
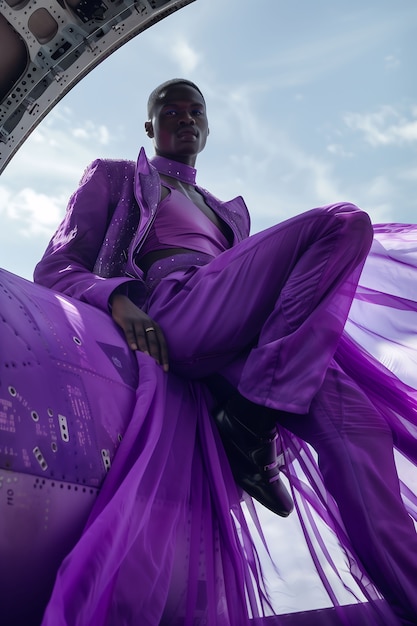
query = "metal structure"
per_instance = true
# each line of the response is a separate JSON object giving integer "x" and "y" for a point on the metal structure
{"x": 47, "y": 46}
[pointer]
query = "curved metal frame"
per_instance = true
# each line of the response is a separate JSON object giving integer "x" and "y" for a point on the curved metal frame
{"x": 48, "y": 46}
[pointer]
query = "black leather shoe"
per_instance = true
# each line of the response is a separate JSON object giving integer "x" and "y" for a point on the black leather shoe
{"x": 254, "y": 463}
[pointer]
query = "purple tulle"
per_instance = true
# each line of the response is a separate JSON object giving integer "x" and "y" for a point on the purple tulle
{"x": 169, "y": 541}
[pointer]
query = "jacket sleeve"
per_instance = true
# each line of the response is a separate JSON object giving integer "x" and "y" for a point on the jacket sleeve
{"x": 68, "y": 262}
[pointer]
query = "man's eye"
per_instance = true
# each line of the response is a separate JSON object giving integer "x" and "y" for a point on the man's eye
{"x": 170, "y": 112}
{"x": 197, "y": 112}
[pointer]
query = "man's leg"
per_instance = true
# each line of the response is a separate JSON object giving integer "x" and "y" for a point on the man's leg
{"x": 268, "y": 313}
{"x": 266, "y": 316}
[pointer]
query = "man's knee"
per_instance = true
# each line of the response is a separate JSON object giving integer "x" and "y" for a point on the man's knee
{"x": 356, "y": 229}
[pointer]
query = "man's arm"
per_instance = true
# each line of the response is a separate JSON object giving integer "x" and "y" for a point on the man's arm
{"x": 68, "y": 262}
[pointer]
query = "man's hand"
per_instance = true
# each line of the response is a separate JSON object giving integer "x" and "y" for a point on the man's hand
{"x": 141, "y": 332}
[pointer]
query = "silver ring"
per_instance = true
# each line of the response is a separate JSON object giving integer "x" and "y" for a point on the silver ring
{"x": 148, "y": 330}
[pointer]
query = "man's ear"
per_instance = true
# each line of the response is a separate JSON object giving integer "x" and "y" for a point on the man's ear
{"x": 149, "y": 129}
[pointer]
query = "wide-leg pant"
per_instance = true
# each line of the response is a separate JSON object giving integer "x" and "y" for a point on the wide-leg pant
{"x": 268, "y": 315}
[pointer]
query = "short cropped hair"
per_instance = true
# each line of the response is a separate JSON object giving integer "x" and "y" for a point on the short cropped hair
{"x": 160, "y": 91}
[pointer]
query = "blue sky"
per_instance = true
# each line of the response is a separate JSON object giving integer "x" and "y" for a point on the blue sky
{"x": 309, "y": 103}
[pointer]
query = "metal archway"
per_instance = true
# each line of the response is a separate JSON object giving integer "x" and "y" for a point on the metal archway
{"x": 48, "y": 46}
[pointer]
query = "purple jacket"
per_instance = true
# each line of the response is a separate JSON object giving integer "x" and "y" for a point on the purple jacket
{"x": 108, "y": 217}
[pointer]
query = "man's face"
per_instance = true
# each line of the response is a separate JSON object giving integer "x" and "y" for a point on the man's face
{"x": 179, "y": 126}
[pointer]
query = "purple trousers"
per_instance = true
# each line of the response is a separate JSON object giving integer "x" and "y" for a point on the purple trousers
{"x": 268, "y": 315}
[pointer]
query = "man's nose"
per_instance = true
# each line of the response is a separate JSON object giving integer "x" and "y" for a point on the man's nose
{"x": 186, "y": 118}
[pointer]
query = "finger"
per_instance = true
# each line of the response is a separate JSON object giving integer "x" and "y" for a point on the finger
{"x": 152, "y": 340}
{"x": 157, "y": 345}
{"x": 163, "y": 350}
{"x": 135, "y": 340}
{"x": 161, "y": 346}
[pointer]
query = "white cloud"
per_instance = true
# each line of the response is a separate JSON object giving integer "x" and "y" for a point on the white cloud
{"x": 53, "y": 158}
{"x": 379, "y": 194}
{"x": 409, "y": 174}
{"x": 380, "y": 187}
{"x": 338, "y": 150}
{"x": 35, "y": 213}
{"x": 384, "y": 127}
{"x": 277, "y": 174}
{"x": 80, "y": 133}
{"x": 321, "y": 53}
{"x": 39, "y": 180}
{"x": 91, "y": 132}
{"x": 185, "y": 55}
{"x": 391, "y": 62}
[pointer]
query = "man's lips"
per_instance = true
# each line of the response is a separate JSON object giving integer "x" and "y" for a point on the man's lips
{"x": 187, "y": 132}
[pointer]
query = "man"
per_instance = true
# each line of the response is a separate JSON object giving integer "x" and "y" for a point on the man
{"x": 264, "y": 315}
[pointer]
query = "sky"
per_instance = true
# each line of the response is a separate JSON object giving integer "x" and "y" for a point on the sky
{"x": 309, "y": 103}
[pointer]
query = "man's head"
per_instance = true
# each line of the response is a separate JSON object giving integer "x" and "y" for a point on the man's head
{"x": 160, "y": 92}
{"x": 177, "y": 120}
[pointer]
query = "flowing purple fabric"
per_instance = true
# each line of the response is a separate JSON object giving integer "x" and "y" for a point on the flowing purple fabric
{"x": 285, "y": 349}
{"x": 168, "y": 541}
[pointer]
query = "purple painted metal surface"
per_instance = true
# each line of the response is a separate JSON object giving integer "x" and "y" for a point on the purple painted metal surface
{"x": 54, "y": 452}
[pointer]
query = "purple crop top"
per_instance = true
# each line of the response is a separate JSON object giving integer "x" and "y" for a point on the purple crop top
{"x": 180, "y": 224}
